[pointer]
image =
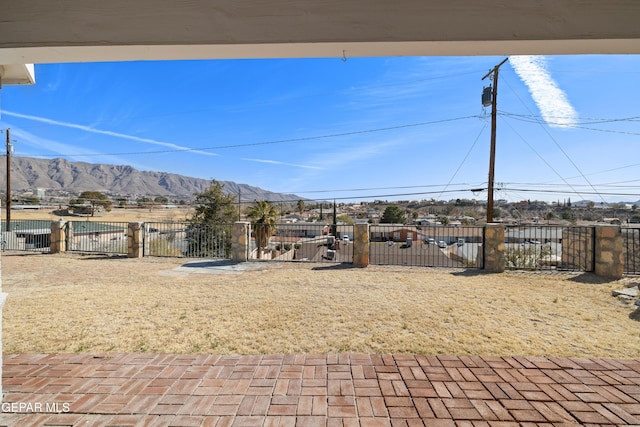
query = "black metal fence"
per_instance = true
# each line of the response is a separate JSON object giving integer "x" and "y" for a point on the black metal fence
{"x": 526, "y": 247}
{"x": 185, "y": 239}
{"x": 442, "y": 246}
{"x": 631, "y": 239}
{"x": 26, "y": 235}
{"x": 317, "y": 242}
{"x": 549, "y": 248}
{"x": 97, "y": 236}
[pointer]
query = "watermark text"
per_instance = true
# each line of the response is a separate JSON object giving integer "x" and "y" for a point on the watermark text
{"x": 35, "y": 407}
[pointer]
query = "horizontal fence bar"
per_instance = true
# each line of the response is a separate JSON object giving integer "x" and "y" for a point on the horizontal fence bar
{"x": 97, "y": 236}
{"x": 429, "y": 246}
{"x": 32, "y": 235}
{"x": 549, "y": 248}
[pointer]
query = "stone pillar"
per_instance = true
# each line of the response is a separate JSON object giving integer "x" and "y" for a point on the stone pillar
{"x": 135, "y": 240}
{"x": 69, "y": 244}
{"x": 240, "y": 241}
{"x": 494, "y": 249}
{"x": 58, "y": 237}
{"x": 361, "y": 245}
{"x": 609, "y": 252}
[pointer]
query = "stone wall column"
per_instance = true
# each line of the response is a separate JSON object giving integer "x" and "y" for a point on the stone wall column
{"x": 58, "y": 237}
{"x": 494, "y": 249}
{"x": 609, "y": 252}
{"x": 361, "y": 245}
{"x": 240, "y": 241}
{"x": 135, "y": 240}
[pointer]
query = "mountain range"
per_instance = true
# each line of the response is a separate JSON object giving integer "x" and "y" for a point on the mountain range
{"x": 75, "y": 177}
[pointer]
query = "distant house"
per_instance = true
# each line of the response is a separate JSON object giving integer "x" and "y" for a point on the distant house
{"x": 611, "y": 220}
{"x": 35, "y": 234}
{"x": 303, "y": 229}
{"x": 392, "y": 232}
{"x": 453, "y": 234}
{"x": 291, "y": 218}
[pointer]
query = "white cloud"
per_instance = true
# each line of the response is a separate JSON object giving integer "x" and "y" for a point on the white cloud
{"x": 105, "y": 132}
{"x": 551, "y": 100}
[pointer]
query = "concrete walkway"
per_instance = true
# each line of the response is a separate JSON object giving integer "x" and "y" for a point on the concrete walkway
{"x": 317, "y": 390}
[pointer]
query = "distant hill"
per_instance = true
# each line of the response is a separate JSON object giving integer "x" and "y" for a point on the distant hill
{"x": 75, "y": 177}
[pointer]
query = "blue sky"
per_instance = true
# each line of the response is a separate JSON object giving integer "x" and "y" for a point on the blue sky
{"x": 360, "y": 129}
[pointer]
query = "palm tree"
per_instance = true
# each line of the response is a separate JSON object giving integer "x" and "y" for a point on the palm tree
{"x": 263, "y": 219}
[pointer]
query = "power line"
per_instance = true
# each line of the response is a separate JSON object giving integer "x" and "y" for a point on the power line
{"x": 592, "y": 193}
{"x": 539, "y": 156}
{"x": 465, "y": 157}
{"x": 374, "y": 188}
{"x": 254, "y": 144}
{"x": 544, "y": 128}
{"x": 589, "y": 120}
{"x": 347, "y": 91}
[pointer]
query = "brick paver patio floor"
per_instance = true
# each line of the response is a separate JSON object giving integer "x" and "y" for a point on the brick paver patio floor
{"x": 317, "y": 390}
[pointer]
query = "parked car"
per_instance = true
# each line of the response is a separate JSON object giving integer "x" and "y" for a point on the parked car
{"x": 442, "y": 244}
{"x": 430, "y": 241}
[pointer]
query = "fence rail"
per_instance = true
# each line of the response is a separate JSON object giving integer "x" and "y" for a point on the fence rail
{"x": 549, "y": 248}
{"x": 453, "y": 247}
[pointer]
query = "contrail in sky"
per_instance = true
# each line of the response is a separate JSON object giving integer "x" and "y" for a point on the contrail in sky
{"x": 551, "y": 100}
{"x": 105, "y": 132}
{"x": 276, "y": 162}
{"x": 83, "y": 155}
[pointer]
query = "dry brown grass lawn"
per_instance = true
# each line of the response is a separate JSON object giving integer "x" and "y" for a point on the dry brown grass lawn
{"x": 115, "y": 215}
{"x": 74, "y": 303}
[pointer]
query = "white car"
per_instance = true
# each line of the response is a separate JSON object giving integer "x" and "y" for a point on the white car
{"x": 442, "y": 244}
{"x": 345, "y": 238}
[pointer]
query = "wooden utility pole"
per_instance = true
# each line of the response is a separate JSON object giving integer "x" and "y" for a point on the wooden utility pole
{"x": 8, "y": 204}
{"x": 492, "y": 156}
